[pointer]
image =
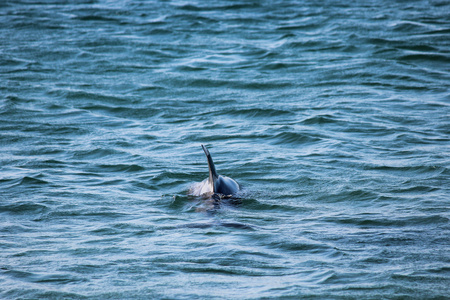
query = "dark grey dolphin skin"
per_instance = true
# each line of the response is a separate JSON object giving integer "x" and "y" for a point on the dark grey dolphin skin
{"x": 220, "y": 184}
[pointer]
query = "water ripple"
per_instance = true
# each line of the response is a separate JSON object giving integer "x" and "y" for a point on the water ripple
{"x": 332, "y": 116}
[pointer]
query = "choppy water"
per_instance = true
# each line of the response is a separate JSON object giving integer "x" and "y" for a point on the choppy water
{"x": 333, "y": 117}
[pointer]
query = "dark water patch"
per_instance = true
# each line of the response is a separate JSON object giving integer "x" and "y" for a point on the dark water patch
{"x": 375, "y": 260}
{"x": 28, "y": 181}
{"x": 44, "y": 151}
{"x": 80, "y": 95}
{"x": 321, "y": 120}
{"x": 258, "y": 113}
{"x": 33, "y": 253}
{"x": 197, "y": 8}
{"x": 202, "y": 83}
{"x": 58, "y": 279}
{"x": 132, "y": 168}
{"x": 31, "y": 293}
{"x": 105, "y": 183}
{"x": 94, "y": 153}
{"x": 54, "y": 129}
{"x": 419, "y": 48}
{"x": 38, "y": 278}
{"x": 104, "y": 213}
{"x": 87, "y": 269}
{"x": 237, "y": 225}
{"x": 83, "y": 214}
{"x": 279, "y": 66}
{"x": 123, "y": 111}
{"x": 416, "y": 170}
{"x": 391, "y": 222}
{"x": 267, "y": 85}
{"x": 302, "y": 246}
{"x": 426, "y": 57}
{"x": 147, "y": 137}
{"x": 349, "y": 194}
{"x": 145, "y": 88}
{"x": 420, "y": 189}
{"x": 191, "y": 68}
{"x": 203, "y": 225}
{"x": 300, "y": 27}
{"x": 439, "y": 270}
{"x": 294, "y": 138}
{"x": 99, "y": 18}
{"x": 17, "y": 229}
{"x": 8, "y": 182}
{"x": 434, "y": 280}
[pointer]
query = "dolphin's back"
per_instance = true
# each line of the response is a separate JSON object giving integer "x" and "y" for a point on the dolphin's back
{"x": 220, "y": 184}
{"x": 225, "y": 185}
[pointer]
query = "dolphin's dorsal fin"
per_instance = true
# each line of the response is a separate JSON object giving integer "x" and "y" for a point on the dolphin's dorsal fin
{"x": 212, "y": 169}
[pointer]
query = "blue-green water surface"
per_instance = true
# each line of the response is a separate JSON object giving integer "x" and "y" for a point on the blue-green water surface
{"x": 334, "y": 116}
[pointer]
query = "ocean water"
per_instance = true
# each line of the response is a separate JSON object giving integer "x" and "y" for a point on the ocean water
{"x": 333, "y": 116}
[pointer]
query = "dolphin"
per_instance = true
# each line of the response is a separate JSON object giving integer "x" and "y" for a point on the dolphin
{"x": 219, "y": 184}
{"x": 215, "y": 183}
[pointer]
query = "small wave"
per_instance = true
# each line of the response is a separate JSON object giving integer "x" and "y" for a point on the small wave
{"x": 132, "y": 168}
{"x": 82, "y": 96}
{"x": 294, "y": 138}
{"x": 24, "y": 208}
{"x": 419, "y": 189}
{"x": 274, "y": 66}
{"x": 255, "y": 205}
{"x": 409, "y": 27}
{"x": 202, "y": 225}
{"x": 263, "y": 85}
{"x": 98, "y": 18}
{"x": 145, "y": 88}
{"x": 94, "y": 153}
{"x": 185, "y": 68}
{"x": 390, "y": 222}
{"x": 435, "y": 57}
{"x": 32, "y": 181}
{"x": 165, "y": 180}
{"x": 103, "y": 213}
{"x": 320, "y": 120}
{"x": 41, "y": 278}
{"x": 239, "y": 6}
{"x": 303, "y": 246}
{"x": 14, "y": 229}
{"x": 412, "y": 169}
{"x": 259, "y": 113}
{"x": 140, "y": 113}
